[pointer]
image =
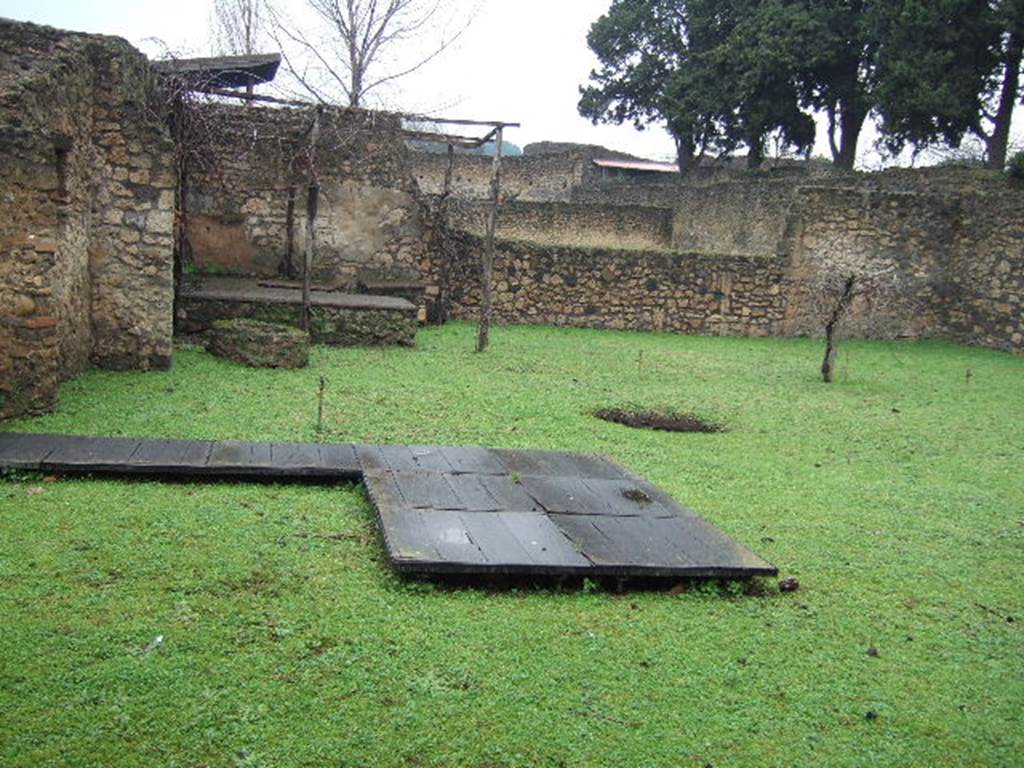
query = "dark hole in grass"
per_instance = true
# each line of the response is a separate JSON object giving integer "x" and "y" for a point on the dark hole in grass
{"x": 665, "y": 421}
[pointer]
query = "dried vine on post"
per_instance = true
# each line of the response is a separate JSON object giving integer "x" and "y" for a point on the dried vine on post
{"x": 487, "y": 265}
{"x": 194, "y": 128}
{"x": 312, "y": 203}
{"x": 441, "y": 219}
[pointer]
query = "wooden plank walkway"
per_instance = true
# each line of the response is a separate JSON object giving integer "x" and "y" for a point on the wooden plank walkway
{"x": 452, "y": 510}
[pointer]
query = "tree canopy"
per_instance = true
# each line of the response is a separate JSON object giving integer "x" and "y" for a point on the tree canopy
{"x": 725, "y": 74}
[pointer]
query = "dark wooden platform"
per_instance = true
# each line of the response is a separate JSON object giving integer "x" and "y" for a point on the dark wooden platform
{"x": 449, "y": 510}
{"x": 254, "y": 291}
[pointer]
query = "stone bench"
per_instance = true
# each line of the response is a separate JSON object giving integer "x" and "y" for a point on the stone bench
{"x": 339, "y": 319}
{"x": 258, "y": 344}
{"x": 398, "y": 284}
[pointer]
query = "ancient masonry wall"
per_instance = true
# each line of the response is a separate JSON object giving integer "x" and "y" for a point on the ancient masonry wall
{"x": 959, "y": 255}
{"x": 252, "y": 168}
{"x": 591, "y": 226}
{"x": 530, "y": 178}
{"x": 742, "y": 253}
{"x": 86, "y": 213}
{"x": 622, "y": 289}
{"x": 986, "y": 272}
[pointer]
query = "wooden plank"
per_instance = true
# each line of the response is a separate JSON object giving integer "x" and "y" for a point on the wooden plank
{"x": 547, "y": 463}
{"x": 473, "y": 460}
{"x": 426, "y": 490}
{"x": 626, "y": 497}
{"x": 405, "y": 538}
{"x": 472, "y": 493}
{"x": 340, "y": 458}
{"x": 591, "y": 541}
{"x": 545, "y": 542}
{"x": 500, "y": 548}
{"x": 642, "y": 545}
{"x": 156, "y": 455}
{"x": 559, "y": 514}
{"x": 230, "y": 455}
{"x": 566, "y": 494}
{"x": 447, "y": 534}
{"x": 301, "y": 457}
{"x": 709, "y": 548}
{"x": 399, "y": 458}
{"x": 383, "y": 491}
{"x": 430, "y": 458}
{"x": 261, "y": 456}
{"x": 591, "y": 466}
{"x": 24, "y": 451}
{"x": 89, "y": 454}
{"x": 508, "y": 494}
{"x": 197, "y": 455}
{"x": 371, "y": 459}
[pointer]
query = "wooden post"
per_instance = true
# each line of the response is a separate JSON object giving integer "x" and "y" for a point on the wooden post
{"x": 444, "y": 277}
{"x": 487, "y": 265}
{"x": 312, "y": 201}
{"x": 289, "y": 224}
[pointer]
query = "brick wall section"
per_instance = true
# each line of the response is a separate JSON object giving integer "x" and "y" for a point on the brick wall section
{"x": 77, "y": 286}
{"x": 369, "y": 214}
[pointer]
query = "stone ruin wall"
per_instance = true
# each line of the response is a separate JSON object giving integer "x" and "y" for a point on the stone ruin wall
{"x": 529, "y": 178}
{"x": 554, "y": 223}
{"x": 955, "y": 238}
{"x": 987, "y": 273}
{"x": 86, "y": 213}
{"x": 959, "y": 256}
{"x": 621, "y": 289}
{"x": 238, "y": 199}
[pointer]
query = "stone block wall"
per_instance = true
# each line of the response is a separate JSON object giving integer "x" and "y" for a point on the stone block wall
{"x": 744, "y": 218}
{"x": 957, "y": 251}
{"x": 580, "y": 226}
{"x": 530, "y": 178}
{"x": 86, "y": 212}
{"x": 958, "y": 256}
{"x": 637, "y": 290}
{"x": 253, "y": 169}
{"x": 986, "y": 272}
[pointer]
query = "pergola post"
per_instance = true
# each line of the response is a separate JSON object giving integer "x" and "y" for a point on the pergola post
{"x": 487, "y": 263}
{"x": 312, "y": 202}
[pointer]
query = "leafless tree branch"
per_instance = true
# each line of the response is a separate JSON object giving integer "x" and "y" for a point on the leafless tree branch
{"x": 352, "y": 42}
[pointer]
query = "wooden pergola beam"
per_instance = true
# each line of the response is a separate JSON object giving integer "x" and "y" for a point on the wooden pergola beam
{"x": 472, "y": 142}
{"x": 300, "y": 103}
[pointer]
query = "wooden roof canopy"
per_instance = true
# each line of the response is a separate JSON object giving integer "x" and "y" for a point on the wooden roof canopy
{"x": 222, "y": 71}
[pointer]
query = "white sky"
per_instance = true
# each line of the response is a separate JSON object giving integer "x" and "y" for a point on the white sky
{"x": 519, "y": 60}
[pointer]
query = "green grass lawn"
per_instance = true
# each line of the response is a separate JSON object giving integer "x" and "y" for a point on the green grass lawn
{"x": 896, "y": 496}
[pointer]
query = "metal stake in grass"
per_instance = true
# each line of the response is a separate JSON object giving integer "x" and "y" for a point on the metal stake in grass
{"x": 320, "y": 406}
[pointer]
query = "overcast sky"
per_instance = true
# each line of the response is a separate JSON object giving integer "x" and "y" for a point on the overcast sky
{"x": 520, "y": 61}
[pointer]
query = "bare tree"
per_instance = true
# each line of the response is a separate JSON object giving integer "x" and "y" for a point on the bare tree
{"x": 851, "y": 288}
{"x": 239, "y": 26}
{"x": 355, "y": 46}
